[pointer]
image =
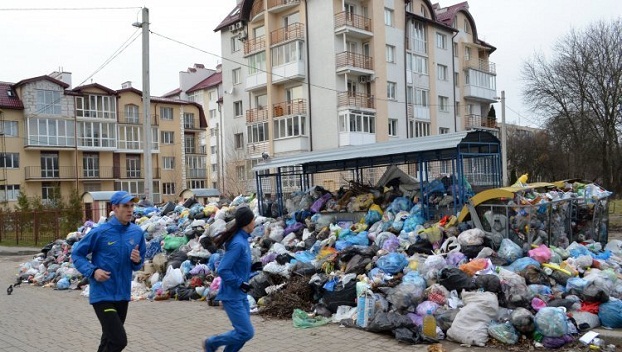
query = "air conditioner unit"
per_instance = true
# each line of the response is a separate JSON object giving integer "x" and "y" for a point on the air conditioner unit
{"x": 235, "y": 27}
{"x": 364, "y": 79}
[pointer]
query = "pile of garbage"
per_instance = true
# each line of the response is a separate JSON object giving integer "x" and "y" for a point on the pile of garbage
{"x": 386, "y": 272}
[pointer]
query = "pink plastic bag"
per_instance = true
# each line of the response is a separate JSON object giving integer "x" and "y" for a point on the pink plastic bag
{"x": 541, "y": 253}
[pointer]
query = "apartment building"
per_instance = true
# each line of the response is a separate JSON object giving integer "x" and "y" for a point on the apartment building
{"x": 315, "y": 75}
{"x": 91, "y": 137}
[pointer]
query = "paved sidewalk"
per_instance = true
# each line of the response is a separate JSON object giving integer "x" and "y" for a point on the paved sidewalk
{"x": 42, "y": 319}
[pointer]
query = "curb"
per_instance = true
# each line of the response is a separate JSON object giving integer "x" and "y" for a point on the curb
{"x": 610, "y": 336}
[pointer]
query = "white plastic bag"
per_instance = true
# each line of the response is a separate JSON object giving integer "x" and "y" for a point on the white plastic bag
{"x": 172, "y": 278}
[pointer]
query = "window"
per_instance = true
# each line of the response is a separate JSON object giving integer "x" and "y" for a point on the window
{"x": 422, "y": 129}
{"x": 410, "y": 93}
{"x": 236, "y": 76}
{"x": 480, "y": 79}
{"x": 190, "y": 146}
{"x": 166, "y": 113}
{"x": 419, "y": 37}
{"x": 419, "y": 64}
{"x": 441, "y": 41}
{"x": 256, "y": 63}
{"x": 97, "y": 134}
{"x": 292, "y": 126}
{"x": 49, "y": 165}
{"x": 456, "y": 79}
{"x": 96, "y": 106}
{"x": 90, "y": 165}
{"x": 213, "y": 149}
{"x": 168, "y": 137}
{"x": 443, "y": 130}
{"x": 188, "y": 120}
{"x": 9, "y": 129}
{"x": 393, "y": 127}
{"x": 467, "y": 26}
{"x": 357, "y": 122}
{"x": 240, "y": 173}
{"x": 424, "y": 11}
{"x": 196, "y": 184}
{"x": 238, "y": 140}
{"x": 168, "y": 162}
{"x": 467, "y": 53}
{"x": 391, "y": 87}
{"x": 168, "y": 188}
{"x": 196, "y": 166}
{"x": 48, "y": 102}
{"x": 390, "y": 53}
{"x": 9, "y": 160}
{"x": 130, "y": 137}
{"x": 258, "y": 132}
{"x": 131, "y": 113}
{"x": 443, "y": 103}
{"x": 212, "y": 114}
{"x": 441, "y": 72}
{"x": 235, "y": 44}
{"x": 455, "y": 45}
{"x": 132, "y": 166}
{"x": 422, "y": 97}
{"x": 237, "y": 108}
{"x": 286, "y": 53}
{"x": 9, "y": 192}
{"x": 49, "y": 191}
{"x": 388, "y": 17}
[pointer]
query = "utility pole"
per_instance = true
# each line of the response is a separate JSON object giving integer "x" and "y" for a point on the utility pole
{"x": 504, "y": 142}
{"x": 147, "y": 138}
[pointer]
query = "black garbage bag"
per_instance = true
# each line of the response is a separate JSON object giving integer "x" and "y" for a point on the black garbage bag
{"x": 189, "y": 202}
{"x": 561, "y": 302}
{"x": 258, "y": 284}
{"x": 560, "y": 277}
{"x": 471, "y": 251}
{"x": 303, "y": 269}
{"x": 421, "y": 246}
{"x": 284, "y": 258}
{"x": 445, "y": 318}
{"x": 389, "y": 321}
{"x": 357, "y": 264}
{"x": 455, "y": 279}
{"x": 185, "y": 293}
{"x": 593, "y": 293}
{"x": 490, "y": 283}
{"x": 340, "y": 296}
{"x": 409, "y": 335}
{"x": 47, "y": 248}
{"x": 167, "y": 208}
{"x": 176, "y": 258}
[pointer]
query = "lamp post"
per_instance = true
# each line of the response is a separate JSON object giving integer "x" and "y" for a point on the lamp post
{"x": 146, "y": 105}
{"x": 504, "y": 143}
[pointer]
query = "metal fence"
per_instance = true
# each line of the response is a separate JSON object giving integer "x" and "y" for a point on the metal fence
{"x": 32, "y": 228}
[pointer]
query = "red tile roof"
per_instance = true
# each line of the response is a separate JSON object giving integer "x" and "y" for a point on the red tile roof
{"x": 211, "y": 81}
{"x": 172, "y": 93}
{"x": 9, "y": 100}
{"x": 232, "y": 17}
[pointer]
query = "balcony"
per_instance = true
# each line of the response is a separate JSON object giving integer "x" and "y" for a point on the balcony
{"x": 36, "y": 173}
{"x": 254, "y": 150}
{"x": 257, "y": 11}
{"x": 480, "y": 65}
{"x": 256, "y": 81}
{"x": 418, "y": 112}
{"x": 136, "y": 120}
{"x": 294, "y": 107}
{"x": 479, "y": 122}
{"x": 254, "y": 45}
{"x": 292, "y": 32}
{"x": 349, "y": 62}
{"x": 276, "y": 6}
{"x": 256, "y": 115}
{"x": 353, "y": 25}
{"x": 355, "y": 100}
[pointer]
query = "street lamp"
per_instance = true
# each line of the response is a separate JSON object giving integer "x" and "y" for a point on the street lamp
{"x": 504, "y": 141}
{"x": 146, "y": 105}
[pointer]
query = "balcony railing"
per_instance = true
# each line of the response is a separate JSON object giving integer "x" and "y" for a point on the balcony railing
{"x": 255, "y": 44}
{"x": 291, "y": 32}
{"x": 294, "y": 107}
{"x": 348, "y": 58}
{"x": 256, "y": 115}
{"x": 196, "y": 173}
{"x": 481, "y": 65}
{"x": 137, "y": 120}
{"x": 349, "y": 19}
{"x": 477, "y": 121}
{"x": 345, "y": 99}
{"x": 124, "y": 173}
{"x": 281, "y": 3}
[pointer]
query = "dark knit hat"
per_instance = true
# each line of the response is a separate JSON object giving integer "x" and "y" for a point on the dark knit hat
{"x": 243, "y": 216}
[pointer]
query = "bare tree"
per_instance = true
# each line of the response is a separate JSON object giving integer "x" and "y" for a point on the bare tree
{"x": 579, "y": 93}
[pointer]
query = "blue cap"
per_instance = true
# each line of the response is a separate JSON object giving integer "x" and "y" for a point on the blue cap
{"x": 122, "y": 197}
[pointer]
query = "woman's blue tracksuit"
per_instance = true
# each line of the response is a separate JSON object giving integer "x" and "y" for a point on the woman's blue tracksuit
{"x": 234, "y": 269}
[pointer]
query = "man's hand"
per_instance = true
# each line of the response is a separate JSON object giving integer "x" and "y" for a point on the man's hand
{"x": 245, "y": 287}
{"x": 101, "y": 275}
{"x": 135, "y": 256}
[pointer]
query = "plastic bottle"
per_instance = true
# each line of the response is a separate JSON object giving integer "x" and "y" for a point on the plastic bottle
{"x": 429, "y": 325}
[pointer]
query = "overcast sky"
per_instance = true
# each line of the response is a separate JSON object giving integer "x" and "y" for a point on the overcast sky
{"x": 35, "y": 43}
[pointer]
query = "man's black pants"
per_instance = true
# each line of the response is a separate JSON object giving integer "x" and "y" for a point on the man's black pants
{"x": 111, "y": 316}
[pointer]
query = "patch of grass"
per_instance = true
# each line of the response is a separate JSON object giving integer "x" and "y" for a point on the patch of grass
{"x": 615, "y": 214}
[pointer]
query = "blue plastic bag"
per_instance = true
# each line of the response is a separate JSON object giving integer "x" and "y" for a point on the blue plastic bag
{"x": 610, "y": 314}
{"x": 392, "y": 263}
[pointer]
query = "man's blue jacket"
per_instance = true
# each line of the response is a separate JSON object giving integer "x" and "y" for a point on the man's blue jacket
{"x": 110, "y": 245}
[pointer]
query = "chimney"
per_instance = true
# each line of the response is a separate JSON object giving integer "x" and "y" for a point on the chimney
{"x": 126, "y": 84}
{"x": 62, "y": 76}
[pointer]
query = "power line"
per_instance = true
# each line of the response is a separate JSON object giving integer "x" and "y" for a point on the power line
{"x": 69, "y": 8}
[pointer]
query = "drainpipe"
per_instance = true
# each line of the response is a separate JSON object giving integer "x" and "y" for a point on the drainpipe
{"x": 406, "y": 38}
{"x": 453, "y": 71}
{"x": 308, "y": 77}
